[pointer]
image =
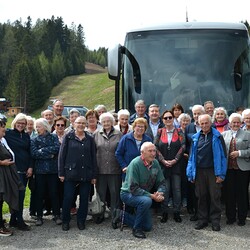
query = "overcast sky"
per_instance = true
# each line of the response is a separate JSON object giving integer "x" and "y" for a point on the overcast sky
{"x": 106, "y": 22}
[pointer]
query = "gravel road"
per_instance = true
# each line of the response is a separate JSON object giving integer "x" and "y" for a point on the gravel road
{"x": 171, "y": 235}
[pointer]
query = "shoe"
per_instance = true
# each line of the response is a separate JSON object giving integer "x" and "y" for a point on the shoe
{"x": 241, "y": 223}
{"x": 230, "y": 221}
{"x": 80, "y": 225}
{"x": 139, "y": 233}
{"x": 13, "y": 223}
{"x": 65, "y": 226}
{"x": 23, "y": 226}
{"x": 116, "y": 218}
{"x": 164, "y": 217}
{"x": 99, "y": 219}
{"x": 73, "y": 211}
{"x": 47, "y": 213}
{"x": 216, "y": 227}
{"x": 39, "y": 221}
{"x": 200, "y": 226}
{"x": 5, "y": 231}
{"x": 177, "y": 217}
{"x": 194, "y": 217}
{"x": 57, "y": 220}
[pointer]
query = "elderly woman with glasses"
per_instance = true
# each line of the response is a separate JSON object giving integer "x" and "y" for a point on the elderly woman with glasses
{"x": 19, "y": 142}
{"x": 59, "y": 127}
{"x": 170, "y": 144}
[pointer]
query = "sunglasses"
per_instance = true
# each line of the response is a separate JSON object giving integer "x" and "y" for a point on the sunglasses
{"x": 60, "y": 125}
{"x": 168, "y": 117}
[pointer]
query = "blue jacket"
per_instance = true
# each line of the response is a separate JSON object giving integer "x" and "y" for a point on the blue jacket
{"x": 127, "y": 149}
{"x": 44, "y": 149}
{"x": 219, "y": 156}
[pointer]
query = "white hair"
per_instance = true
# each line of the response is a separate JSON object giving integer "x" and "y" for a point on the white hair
{"x": 145, "y": 145}
{"x": 123, "y": 112}
{"x": 107, "y": 115}
{"x": 245, "y": 112}
{"x": 235, "y": 115}
{"x": 183, "y": 116}
{"x": 44, "y": 123}
{"x": 219, "y": 109}
{"x": 198, "y": 106}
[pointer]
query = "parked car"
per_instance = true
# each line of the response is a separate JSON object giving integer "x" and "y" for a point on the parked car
{"x": 66, "y": 110}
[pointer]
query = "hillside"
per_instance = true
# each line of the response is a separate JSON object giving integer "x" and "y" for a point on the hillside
{"x": 89, "y": 89}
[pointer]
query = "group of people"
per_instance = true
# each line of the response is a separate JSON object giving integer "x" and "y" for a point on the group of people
{"x": 134, "y": 161}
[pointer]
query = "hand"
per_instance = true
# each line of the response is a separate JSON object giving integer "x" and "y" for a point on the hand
{"x": 7, "y": 162}
{"x": 29, "y": 172}
{"x": 157, "y": 196}
{"x": 124, "y": 169}
{"x": 234, "y": 154}
{"x": 218, "y": 179}
{"x": 61, "y": 178}
{"x": 93, "y": 181}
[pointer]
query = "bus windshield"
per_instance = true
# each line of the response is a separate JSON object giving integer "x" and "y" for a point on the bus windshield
{"x": 188, "y": 67}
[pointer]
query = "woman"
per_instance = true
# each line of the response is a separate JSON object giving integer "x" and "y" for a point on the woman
{"x": 170, "y": 144}
{"x": 237, "y": 179}
{"x": 59, "y": 127}
{"x": 123, "y": 125}
{"x": 92, "y": 118}
{"x": 10, "y": 184}
{"x": 77, "y": 166}
{"x": 30, "y": 128}
{"x": 220, "y": 119}
{"x": 184, "y": 120}
{"x": 19, "y": 142}
{"x": 129, "y": 146}
{"x": 246, "y": 119}
{"x": 177, "y": 109}
{"x": 73, "y": 114}
{"x": 44, "y": 150}
{"x": 109, "y": 172}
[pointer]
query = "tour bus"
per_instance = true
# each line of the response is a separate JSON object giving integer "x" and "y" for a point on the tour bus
{"x": 187, "y": 63}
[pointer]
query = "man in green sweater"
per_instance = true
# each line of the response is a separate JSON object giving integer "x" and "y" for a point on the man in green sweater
{"x": 143, "y": 174}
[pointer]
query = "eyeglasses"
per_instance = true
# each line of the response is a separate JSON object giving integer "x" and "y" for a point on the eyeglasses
{"x": 21, "y": 123}
{"x": 60, "y": 125}
{"x": 168, "y": 117}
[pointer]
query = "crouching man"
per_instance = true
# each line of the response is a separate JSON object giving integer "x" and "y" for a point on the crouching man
{"x": 143, "y": 174}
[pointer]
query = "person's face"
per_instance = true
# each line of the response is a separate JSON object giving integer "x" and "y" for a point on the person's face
{"x": 235, "y": 124}
{"x": 205, "y": 124}
{"x": 101, "y": 111}
{"x": 177, "y": 112}
{"x": 2, "y": 132}
{"x": 60, "y": 126}
{"x": 139, "y": 129}
{"x": 49, "y": 116}
{"x": 246, "y": 119}
{"x": 80, "y": 124}
{"x": 220, "y": 116}
{"x": 123, "y": 120}
{"x": 30, "y": 126}
{"x": 40, "y": 129}
{"x": 184, "y": 123}
{"x": 73, "y": 117}
{"x": 196, "y": 114}
{"x": 140, "y": 109}
{"x": 149, "y": 153}
{"x": 92, "y": 120}
{"x": 106, "y": 123}
{"x": 168, "y": 119}
{"x": 154, "y": 114}
{"x": 21, "y": 125}
{"x": 209, "y": 109}
{"x": 58, "y": 108}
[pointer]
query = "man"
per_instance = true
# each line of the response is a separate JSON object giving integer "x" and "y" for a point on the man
{"x": 143, "y": 173}
{"x": 155, "y": 121}
{"x": 209, "y": 107}
{"x": 48, "y": 115}
{"x": 73, "y": 114}
{"x": 140, "y": 109}
{"x": 207, "y": 166}
{"x": 58, "y": 107}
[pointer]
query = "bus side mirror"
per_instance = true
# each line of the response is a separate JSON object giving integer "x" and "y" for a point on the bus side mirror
{"x": 114, "y": 62}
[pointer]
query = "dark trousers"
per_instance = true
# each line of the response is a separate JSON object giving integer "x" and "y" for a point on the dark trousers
{"x": 1, "y": 212}
{"x": 69, "y": 192}
{"x": 49, "y": 181}
{"x": 191, "y": 198}
{"x": 207, "y": 189}
{"x": 236, "y": 189}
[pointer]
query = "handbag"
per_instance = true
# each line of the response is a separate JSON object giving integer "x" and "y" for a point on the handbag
{"x": 96, "y": 206}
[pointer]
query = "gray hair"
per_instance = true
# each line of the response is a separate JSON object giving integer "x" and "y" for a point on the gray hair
{"x": 123, "y": 112}
{"x": 74, "y": 110}
{"x": 218, "y": 109}
{"x": 198, "y": 106}
{"x": 29, "y": 118}
{"x": 107, "y": 115}
{"x": 145, "y": 145}
{"x": 204, "y": 115}
{"x": 44, "y": 123}
{"x": 183, "y": 116}
{"x": 46, "y": 110}
{"x": 245, "y": 112}
{"x": 18, "y": 117}
{"x": 140, "y": 102}
{"x": 235, "y": 115}
{"x": 99, "y": 107}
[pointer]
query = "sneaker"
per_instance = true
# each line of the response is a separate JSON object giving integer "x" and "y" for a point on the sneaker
{"x": 116, "y": 218}
{"x": 5, "y": 231}
{"x": 73, "y": 211}
{"x": 57, "y": 220}
{"x": 39, "y": 221}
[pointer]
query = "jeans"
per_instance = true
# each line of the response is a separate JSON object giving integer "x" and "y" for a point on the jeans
{"x": 142, "y": 219}
{"x": 175, "y": 181}
{"x": 69, "y": 193}
{"x": 18, "y": 215}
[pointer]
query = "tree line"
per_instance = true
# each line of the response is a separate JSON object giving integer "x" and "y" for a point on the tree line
{"x": 35, "y": 58}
